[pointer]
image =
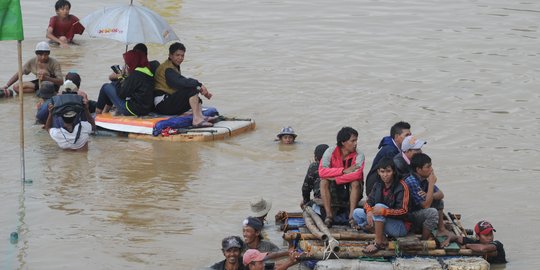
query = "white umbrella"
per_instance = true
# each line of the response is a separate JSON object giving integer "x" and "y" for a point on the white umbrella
{"x": 129, "y": 24}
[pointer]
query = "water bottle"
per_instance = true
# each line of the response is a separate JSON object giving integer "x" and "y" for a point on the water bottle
{"x": 14, "y": 237}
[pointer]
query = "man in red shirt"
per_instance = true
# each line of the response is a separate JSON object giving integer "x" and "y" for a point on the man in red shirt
{"x": 344, "y": 165}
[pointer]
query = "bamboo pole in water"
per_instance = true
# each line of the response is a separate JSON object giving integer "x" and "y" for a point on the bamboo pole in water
{"x": 21, "y": 110}
{"x": 333, "y": 244}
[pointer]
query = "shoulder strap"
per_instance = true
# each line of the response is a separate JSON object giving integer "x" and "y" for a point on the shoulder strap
{"x": 79, "y": 129}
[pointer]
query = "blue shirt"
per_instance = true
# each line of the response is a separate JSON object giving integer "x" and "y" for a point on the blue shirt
{"x": 416, "y": 185}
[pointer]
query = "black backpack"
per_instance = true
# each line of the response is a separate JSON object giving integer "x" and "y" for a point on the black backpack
{"x": 66, "y": 103}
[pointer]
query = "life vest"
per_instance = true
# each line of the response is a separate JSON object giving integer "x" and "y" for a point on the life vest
{"x": 161, "y": 81}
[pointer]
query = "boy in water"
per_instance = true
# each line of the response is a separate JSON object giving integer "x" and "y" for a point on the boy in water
{"x": 286, "y": 135}
{"x": 484, "y": 242}
{"x": 63, "y": 26}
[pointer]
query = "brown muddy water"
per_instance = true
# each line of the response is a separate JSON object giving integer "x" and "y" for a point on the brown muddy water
{"x": 463, "y": 73}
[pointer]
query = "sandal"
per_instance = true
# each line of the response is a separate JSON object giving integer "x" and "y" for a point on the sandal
{"x": 373, "y": 248}
{"x": 354, "y": 225}
{"x": 203, "y": 124}
{"x": 328, "y": 222}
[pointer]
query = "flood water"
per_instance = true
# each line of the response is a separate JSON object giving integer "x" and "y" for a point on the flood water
{"x": 464, "y": 73}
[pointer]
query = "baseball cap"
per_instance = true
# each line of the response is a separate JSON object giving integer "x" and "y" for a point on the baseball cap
{"x": 43, "y": 46}
{"x": 286, "y": 131}
{"x": 231, "y": 242}
{"x": 411, "y": 142}
{"x": 483, "y": 227}
{"x": 69, "y": 114}
{"x": 253, "y": 255}
{"x": 69, "y": 86}
{"x": 47, "y": 90}
{"x": 74, "y": 77}
{"x": 254, "y": 223}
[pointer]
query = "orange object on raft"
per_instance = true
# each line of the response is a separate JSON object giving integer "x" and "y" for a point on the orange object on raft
{"x": 142, "y": 128}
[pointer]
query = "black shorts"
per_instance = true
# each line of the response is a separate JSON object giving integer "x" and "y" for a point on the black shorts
{"x": 36, "y": 85}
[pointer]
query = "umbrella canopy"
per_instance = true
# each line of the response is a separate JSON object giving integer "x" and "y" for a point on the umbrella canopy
{"x": 129, "y": 24}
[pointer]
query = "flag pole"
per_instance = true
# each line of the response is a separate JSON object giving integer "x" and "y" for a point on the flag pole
{"x": 21, "y": 120}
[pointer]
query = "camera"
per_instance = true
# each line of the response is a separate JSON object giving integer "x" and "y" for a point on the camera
{"x": 116, "y": 69}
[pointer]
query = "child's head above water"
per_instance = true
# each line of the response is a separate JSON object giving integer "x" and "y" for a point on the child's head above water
{"x": 484, "y": 231}
{"x": 287, "y": 135}
{"x": 61, "y": 4}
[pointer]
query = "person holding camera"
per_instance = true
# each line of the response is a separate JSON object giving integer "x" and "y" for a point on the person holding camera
{"x": 135, "y": 95}
{"x": 71, "y": 136}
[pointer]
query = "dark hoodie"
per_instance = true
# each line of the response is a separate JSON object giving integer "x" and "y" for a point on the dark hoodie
{"x": 387, "y": 148}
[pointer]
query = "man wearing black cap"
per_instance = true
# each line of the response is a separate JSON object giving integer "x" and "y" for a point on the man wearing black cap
{"x": 253, "y": 238}
{"x": 231, "y": 247}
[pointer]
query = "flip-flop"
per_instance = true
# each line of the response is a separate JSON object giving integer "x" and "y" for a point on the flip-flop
{"x": 203, "y": 124}
{"x": 211, "y": 119}
{"x": 373, "y": 248}
{"x": 328, "y": 222}
{"x": 354, "y": 225}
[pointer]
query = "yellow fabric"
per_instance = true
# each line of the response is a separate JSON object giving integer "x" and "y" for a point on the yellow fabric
{"x": 159, "y": 78}
{"x": 145, "y": 70}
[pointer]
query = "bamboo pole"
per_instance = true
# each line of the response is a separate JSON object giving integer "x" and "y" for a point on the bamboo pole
{"x": 290, "y": 236}
{"x": 392, "y": 245}
{"x": 313, "y": 251}
{"x": 456, "y": 218}
{"x": 21, "y": 110}
{"x": 332, "y": 242}
{"x": 310, "y": 224}
{"x": 454, "y": 226}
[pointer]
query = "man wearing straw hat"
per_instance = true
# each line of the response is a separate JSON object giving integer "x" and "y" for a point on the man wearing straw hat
{"x": 260, "y": 209}
{"x": 44, "y": 67}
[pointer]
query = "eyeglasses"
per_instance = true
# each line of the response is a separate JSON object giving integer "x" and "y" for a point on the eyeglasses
{"x": 42, "y": 53}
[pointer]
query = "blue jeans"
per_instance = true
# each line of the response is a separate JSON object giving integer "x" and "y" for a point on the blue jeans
{"x": 108, "y": 96}
{"x": 392, "y": 227}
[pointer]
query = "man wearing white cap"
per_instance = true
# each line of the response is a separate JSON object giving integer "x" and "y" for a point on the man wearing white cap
{"x": 71, "y": 136}
{"x": 44, "y": 67}
{"x": 409, "y": 147}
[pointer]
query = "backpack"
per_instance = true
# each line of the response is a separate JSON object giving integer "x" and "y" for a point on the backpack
{"x": 67, "y": 102}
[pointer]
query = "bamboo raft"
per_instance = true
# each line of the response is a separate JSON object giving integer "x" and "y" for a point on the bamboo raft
{"x": 321, "y": 243}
